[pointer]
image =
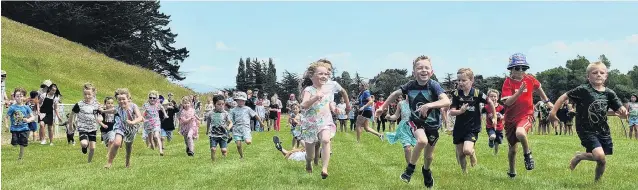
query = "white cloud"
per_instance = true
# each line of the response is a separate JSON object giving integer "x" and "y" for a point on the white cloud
{"x": 221, "y": 46}
{"x": 633, "y": 39}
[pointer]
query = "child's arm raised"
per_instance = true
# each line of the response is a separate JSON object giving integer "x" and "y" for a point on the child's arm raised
{"x": 509, "y": 100}
{"x": 560, "y": 101}
{"x": 308, "y": 101}
{"x": 393, "y": 97}
{"x": 396, "y": 115}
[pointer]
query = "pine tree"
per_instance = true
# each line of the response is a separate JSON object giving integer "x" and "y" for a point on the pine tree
{"x": 240, "y": 79}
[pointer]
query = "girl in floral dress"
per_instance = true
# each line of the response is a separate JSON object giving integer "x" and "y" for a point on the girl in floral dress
{"x": 152, "y": 124}
{"x": 317, "y": 124}
{"x": 189, "y": 125}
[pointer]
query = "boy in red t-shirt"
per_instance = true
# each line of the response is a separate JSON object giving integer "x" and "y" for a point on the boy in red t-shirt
{"x": 494, "y": 132}
{"x": 517, "y": 91}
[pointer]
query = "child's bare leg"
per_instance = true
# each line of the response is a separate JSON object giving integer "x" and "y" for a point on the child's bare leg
{"x": 42, "y": 126}
{"x": 511, "y": 158}
{"x": 224, "y": 152}
{"x": 325, "y": 157}
{"x": 421, "y": 142}
{"x": 115, "y": 145}
{"x": 50, "y": 128}
{"x": 631, "y": 131}
{"x": 359, "y": 126}
{"x": 158, "y": 140}
{"x": 129, "y": 149}
{"x": 521, "y": 135}
{"x": 239, "y": 150}
{"x": 317, "y": 153}
{"x": 212, "y": 153}
{"x": 496, "y": 148}
{"x": 407, "y": 151}
{"x": 310, "y": 155}
{"x": 294, "y": 140}
{"x": 468, "y": 150}
{"x": 21, "y": 152}
{"x": 91, "y": 150}
{"x": 284, "y": 152}
{"x": 460, "y": 157}
{"x": 428, "y": 156}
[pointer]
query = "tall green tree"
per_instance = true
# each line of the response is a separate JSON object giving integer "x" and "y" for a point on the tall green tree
{"x": 250, "y": 74}
{"x": 387, "y": 81}
{"x": 272, "y": 77}
{"x": 260, "y": 76}
{"x": 240, "y": 79}
{"x": 134, "y": 32}
{"x": 346, "y": 82}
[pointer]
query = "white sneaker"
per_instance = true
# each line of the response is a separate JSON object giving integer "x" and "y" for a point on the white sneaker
{"x": 51, "y": 144}
{"x": 43, "y": 142}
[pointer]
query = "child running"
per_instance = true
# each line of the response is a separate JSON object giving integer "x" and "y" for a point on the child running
{"x": 426, "y": 98}
{"x": 20, "y": 116}
{"x": 494, "y": 130}
{"x": 517, "y": 91}
{"x": 85, "y": 113}
{"x": 633, "y": 115}
{"x": 593, "y": 100}
{"x": 189, "y": 124}
{"x": 403, "y": 133}
{"x": 341, "y": 115}
{"x": 295, "y": 129}
{"x": 240, "y": 116}
{"x": 127, "y": 117}
{"x": 218, "y": 127}
{"x": 107, "y": 122}
{"x": 33, "y": 103}
{"x": 152, "y": 124}
{"x": 466, "y": 106}
{"x": 317, "y": 124}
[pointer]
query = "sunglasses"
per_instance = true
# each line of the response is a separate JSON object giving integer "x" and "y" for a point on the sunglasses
{"x": 519, "y": 68}
{"x": 152, "y": 98}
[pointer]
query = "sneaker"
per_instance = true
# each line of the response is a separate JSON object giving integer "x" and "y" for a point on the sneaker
{"x": 512, "y": 175}
{"x": 381, "y": 137}
{"x": 43, "y": 142}
{"x": 529, "y": 161}
{"x": 491, "y": 143}
{"x": 407, "y": 174}
{"x": 230, "y": 139}
{"x": 428, "y": 180}
{"x": 275, "y": 139}
{"x": 50, "y": 144}
{"x": 84, "y": 149}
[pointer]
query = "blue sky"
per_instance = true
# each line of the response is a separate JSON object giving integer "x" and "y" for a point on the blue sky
{"x": 369, "y": 37}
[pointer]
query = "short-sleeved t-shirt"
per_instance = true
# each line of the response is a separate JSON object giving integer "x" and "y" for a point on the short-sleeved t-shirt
{"x": 86, "y": 116}
{"x": 633, "y": 110}
{"x": 488, "y": 120}
{"x": 109, "y": 120}
{"x": 241, "y": 116}
{"x": 218, "y": 123}
{"x": 16, "y": 114}
{"x": 471, "y": 119}
{"x": 592, "y": 106}
{"x": 363, "y": 100}
{"x": 419, "y": 95}
{"x": 524, "y": 105}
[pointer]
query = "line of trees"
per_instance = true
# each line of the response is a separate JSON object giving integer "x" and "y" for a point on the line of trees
{"x": 134, "y": 32}
{"x": 555, "y": 81}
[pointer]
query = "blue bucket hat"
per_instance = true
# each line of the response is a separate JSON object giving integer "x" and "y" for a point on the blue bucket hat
{"x": 518, "y": 59}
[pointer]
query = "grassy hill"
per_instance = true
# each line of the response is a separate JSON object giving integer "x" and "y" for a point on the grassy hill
{"x": 30, "y": 56}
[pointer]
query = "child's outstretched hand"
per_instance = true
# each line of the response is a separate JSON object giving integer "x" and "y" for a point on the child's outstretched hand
{"x": 623, "y": 113}
{"x": 552, "y": 117}
{"x": 378, "y": 113}
{"x": 423, "y": 109}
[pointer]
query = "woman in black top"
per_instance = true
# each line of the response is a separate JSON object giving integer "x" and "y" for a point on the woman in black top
{"x": 49, "y": 107}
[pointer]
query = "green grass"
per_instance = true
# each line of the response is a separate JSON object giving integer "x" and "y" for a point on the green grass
{"x": 370, "y": 165}
{"x": 30, "y": 56}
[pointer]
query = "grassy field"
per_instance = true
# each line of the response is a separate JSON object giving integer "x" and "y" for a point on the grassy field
{"x": 30, "y": 56}
{"x": 370, "y": 165}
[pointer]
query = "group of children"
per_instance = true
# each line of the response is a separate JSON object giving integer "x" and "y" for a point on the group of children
{"x": 313, "y": 126}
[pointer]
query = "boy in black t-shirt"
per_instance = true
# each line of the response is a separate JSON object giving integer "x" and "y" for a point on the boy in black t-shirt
{"x": 107, "y": 121}
{"x": 426, "y": 98}
{"x": 466, "y": 106}
{"x": 592, "y": 103}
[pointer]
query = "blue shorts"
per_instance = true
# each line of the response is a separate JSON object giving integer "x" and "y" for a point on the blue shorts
{"x": 214, "y": 141}
{"x": 33, "y": 126}
{"x": 633, "y": 121}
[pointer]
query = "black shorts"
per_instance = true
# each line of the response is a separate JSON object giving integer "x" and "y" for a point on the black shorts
{"x": 20, "y": 138}
{"x": 48, "y": 119}
{"x": 431, "y": 134}
{"x": 366, "y": 113}
{"x": 592, "y": 140}
{"x": 461, "y": 137}
{"x": 499, "y": 135}
{"x": 91, "y": 136}
{"x": 273, "y": 115}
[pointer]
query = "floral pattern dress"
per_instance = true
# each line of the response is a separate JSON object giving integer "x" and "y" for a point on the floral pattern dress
{"x": 151, "y": 118}
{"x": 317, "y": 118}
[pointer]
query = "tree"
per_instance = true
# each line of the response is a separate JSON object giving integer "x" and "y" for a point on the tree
{"x": 289, "y": 85}
{"x": 449, "y": 82}
{"x": 604, "y": 59}
{"x": 240, "y": 79}
{"x": 346, "y": 82}
{"x": 250, "y": 74}
{"x": 259, "y": 75}
{"x": 621, "y": 84}
{"x": 555, "y": 82}
{"x": 272, "y": 77}
{"x": 633, "y": 75}
{"x": 134, "y": 32}
{"x": 387, "y": 81}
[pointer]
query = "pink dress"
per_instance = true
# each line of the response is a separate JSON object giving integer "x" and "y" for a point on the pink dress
{"x": 151, "y": 118}
{"x": 188, "y": 128}
{"x": 317, "y": 118}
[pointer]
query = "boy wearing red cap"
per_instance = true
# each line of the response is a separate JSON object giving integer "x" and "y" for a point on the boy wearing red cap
{"x": 517, "y": 93}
